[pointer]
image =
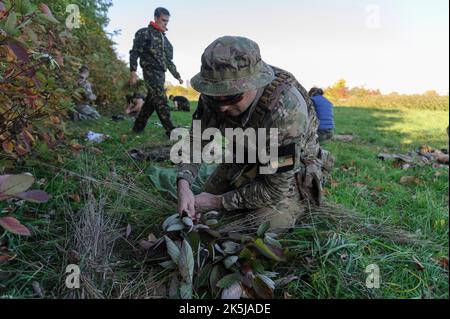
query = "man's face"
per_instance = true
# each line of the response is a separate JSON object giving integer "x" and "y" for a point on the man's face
{"x": 239, "y": 106}
{"x": 84, "y": 74}
{"x": 162, "y": 21}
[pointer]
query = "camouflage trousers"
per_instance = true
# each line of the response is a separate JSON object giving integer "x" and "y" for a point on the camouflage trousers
{"x": 282, "y": 216}
{"x": 156, "y": 100}
{"x": 84, "y": 112}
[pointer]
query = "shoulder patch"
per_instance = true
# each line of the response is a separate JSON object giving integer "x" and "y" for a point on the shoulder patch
{"x": 286, "y": 159}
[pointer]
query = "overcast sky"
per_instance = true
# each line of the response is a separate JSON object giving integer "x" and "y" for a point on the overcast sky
{"x": 393, "y": 45}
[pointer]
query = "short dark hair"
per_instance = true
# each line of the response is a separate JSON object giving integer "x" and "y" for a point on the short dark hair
{"x": 83, "y": 68}
{"x": 315, "y": 91}
{"x": 161, "y": 11}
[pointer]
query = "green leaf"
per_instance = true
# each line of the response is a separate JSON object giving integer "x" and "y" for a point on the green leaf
{"x": 174, "y": 219}
{"x": 186, "y": 262}
{"x": 246, "y": 254}
{"x": 214, "y": 278}
{"x": 228, "y": 280}
{"x": 234, "y": 292}
{"x": 172, "y": 250}
{"x": 230, "y": 261}
{"x": 10, "y": 26}
{"x": 188, "y": 221}
{"x": 263, "y": 229}
{"x": 175, "y": 227}
{"x": 270, "y": 252}
{"x": 204, "y": 275}
{"x": 194, "y": 240}
{"x": 24, "y": 7}
{"x": 272, "y": 242}
{"x": 212, "y": 214}
{"x": 48, "y": 18}
{"x": 235, "y": 236}
{"x": 231, "y": 248}
{"x": 212, "y": 233}
{"x": 186, "y": 290}
{"x": 212, "y": 222}
{"x": 174, "y": 287}
{"x": 168, "y": 265}
{"x": 263, "y": 287}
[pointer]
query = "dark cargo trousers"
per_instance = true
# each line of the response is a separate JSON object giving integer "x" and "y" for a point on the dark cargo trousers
{"x": 156, "y": 100}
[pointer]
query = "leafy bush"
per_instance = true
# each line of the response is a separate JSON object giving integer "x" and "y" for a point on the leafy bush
{"x": 39, "y": 62}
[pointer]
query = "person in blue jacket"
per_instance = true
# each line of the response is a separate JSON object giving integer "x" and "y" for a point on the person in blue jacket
{"x": 325, "y": 113}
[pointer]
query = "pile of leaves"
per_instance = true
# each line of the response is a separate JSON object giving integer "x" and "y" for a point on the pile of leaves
{"x": 209, "y": 262}
{"x": 16, "y": 187}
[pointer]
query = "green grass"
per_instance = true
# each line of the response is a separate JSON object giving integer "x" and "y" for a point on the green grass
{"x": 329, "y": 258}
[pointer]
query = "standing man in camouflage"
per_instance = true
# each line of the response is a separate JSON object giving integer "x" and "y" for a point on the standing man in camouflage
{"x": 239, "y": 90}
{"x": 155, "y": 52}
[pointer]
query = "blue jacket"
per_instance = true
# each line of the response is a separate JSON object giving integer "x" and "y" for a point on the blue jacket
{"x": 324, "y": 110}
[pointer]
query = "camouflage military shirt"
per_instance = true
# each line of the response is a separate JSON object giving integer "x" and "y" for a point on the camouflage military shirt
{"x": 154, "y": 50}
{"x": 86, "y": 90}
{"x": 290, "y": 117}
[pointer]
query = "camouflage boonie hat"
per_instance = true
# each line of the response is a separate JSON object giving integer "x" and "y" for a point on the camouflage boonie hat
{"x": 232, "y": 65}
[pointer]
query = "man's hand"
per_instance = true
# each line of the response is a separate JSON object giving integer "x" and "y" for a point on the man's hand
{"x": 207, "y": 202}
{"x": 181, "y": 81}
{"x": 186, "y": 199}
{"x": 133, "y": 78}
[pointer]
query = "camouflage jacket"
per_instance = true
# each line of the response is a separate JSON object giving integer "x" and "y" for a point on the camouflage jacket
{"x": 154, "y": 51}
{"x": 290, "y": 116}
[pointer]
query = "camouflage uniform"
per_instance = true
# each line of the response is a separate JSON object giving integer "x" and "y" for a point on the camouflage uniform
{"x": 84, "y": 111}
{"x": 281, "y": 103}
{"x": 155, "y": 52}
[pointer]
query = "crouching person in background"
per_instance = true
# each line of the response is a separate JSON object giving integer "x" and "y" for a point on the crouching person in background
{"x": 325, "y": 113}
{"x": 83, "y": 109}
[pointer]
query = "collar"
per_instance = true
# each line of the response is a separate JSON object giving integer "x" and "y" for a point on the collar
{"x": 245, "y": 117}
{"x": 157, "y": 27}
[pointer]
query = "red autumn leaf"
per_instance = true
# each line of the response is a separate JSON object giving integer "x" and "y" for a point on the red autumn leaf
{"x": 9, "y": 72}
{"x": 55, "y": 120}
{"x": 21, "y": 151}
{"x": 14, "y": 226}
{"x": 36, "y": 196}
{"x": 75, "y": 147}
{"x": 45, "y": 9}
{"x": 8, "y": 147}
{"x": 19, "y": 50}
{"x": 48, "y": 14}
{"x": 444, "y": 262}
{"x": 30, "y": 100}
{"x": 27, "y": 137}
{"x": 75, "y": 197}
{"x": 2, "y": 10}
{"x": 4, "y": 259}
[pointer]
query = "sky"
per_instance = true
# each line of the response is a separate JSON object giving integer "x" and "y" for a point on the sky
{"x": 391, "y": 45}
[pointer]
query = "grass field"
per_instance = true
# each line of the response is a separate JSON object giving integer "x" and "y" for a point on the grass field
{"x": 329, "y": 253}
